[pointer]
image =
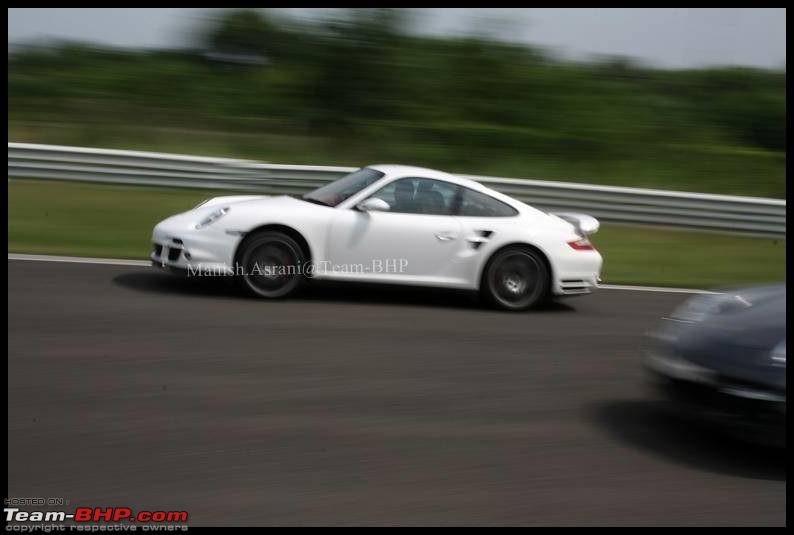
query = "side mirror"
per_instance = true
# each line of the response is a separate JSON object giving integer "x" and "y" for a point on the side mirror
{"x": 373, "y": 204}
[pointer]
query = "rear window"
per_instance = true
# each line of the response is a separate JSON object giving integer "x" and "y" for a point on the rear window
{"x": 476, "y": 204}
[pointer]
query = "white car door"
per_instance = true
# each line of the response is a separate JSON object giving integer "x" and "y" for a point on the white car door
{"x": 417, "y": 241}
{"x": 484, "y": 223}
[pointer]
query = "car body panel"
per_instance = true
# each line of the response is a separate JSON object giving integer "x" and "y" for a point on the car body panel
{"x": 724, "y": 356}
{"x": 430, "y": 245}
{"x": 441, "y": 250}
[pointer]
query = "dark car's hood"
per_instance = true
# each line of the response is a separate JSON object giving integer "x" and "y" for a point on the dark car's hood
{"x": 739, "y": 344}
{"x": 761, "y": 325}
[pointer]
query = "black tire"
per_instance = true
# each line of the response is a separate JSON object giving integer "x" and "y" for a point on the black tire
{"x": 270, "y": 265}
{"x": 515, "y": 278}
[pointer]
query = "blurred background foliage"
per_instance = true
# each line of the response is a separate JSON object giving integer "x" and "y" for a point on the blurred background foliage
{"x": 360, "y": 88}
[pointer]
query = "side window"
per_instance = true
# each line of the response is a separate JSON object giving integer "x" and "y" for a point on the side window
{"x": 419, "y": 196}
{"x": 476, "y": 204}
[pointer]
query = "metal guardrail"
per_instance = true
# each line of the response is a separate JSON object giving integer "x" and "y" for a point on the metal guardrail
{"x": 727, "y": 213}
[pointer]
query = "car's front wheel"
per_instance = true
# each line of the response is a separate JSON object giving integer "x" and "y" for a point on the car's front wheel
{"x": 515, "y": 278}
{"x": 270, "y": 264}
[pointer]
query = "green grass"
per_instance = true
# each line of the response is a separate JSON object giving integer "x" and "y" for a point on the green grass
{"x": 81, "y": 219}
{"x": 662, "y": 257}
{"x": 89, "y": 219}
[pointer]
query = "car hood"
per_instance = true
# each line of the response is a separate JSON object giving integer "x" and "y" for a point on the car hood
{"x": 761, "y": 324}
{"x": 232, "y": 199}
{"x": 243, "y": 206}
{"x": 739, "y": 343}
{"x": 255, "y": 201}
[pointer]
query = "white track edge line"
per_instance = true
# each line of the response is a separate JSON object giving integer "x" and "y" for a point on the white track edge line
{"x": 654, "y": 289}
{"x": 144, "y": 263}
{"x": 78, "y": 260}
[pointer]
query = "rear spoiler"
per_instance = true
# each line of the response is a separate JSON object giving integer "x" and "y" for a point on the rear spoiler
{"x": 583, "y": 223}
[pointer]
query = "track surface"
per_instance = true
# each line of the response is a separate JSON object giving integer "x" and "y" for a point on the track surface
{"x": 132, "y": 388}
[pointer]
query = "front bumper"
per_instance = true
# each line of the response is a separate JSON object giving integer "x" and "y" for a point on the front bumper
{"x": 751, "y": 410}
{"x": 179, "y": 247}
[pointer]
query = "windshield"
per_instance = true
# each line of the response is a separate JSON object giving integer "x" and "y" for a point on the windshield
{"x": 344, "y": 188}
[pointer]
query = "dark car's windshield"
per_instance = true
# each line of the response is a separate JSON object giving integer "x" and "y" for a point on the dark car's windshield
{"x": 344, "y": 188}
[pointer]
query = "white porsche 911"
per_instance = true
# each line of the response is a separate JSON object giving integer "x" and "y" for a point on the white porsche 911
{"x": 387, "y": 224}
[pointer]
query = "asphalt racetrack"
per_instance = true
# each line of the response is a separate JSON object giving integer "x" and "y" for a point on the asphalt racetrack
{"x": 129, "y": 387}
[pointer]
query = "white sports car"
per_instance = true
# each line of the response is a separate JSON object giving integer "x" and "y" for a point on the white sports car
{"x": 387, "y": 224}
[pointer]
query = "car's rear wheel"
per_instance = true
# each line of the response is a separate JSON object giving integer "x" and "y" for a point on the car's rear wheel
{"x": 270, "y": 265}
{"x": 515, "y": 278}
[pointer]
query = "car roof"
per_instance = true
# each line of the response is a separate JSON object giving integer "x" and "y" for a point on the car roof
{"x": 395, "y": 170}
{"x": 403, "y": 171}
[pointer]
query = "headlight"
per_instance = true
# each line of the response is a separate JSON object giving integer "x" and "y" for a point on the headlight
{"x": 213, "y": 217}
{"x": 778, "y": 354}
{"x": 700, "y": 307}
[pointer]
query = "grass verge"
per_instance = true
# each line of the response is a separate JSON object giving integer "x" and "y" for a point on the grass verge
{"x": 81, "y": 219}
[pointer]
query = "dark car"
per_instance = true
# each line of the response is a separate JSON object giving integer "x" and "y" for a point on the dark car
{"x": 721, "y": 357}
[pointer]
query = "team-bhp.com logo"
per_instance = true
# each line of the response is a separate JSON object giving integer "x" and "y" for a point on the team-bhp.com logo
{"x": 94, "y": 515}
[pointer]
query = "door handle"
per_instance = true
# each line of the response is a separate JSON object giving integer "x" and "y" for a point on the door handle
{"x": 445, "y": 236}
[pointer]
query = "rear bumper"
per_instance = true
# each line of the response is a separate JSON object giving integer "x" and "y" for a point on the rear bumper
{"x": 577, "y": 286}
{"x": 577, "y": 272}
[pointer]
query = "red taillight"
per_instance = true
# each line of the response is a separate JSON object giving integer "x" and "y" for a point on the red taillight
{"x": 582, "y": 245}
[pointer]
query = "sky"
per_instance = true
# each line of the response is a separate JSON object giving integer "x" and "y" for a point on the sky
{"x": 662, "y": 37}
